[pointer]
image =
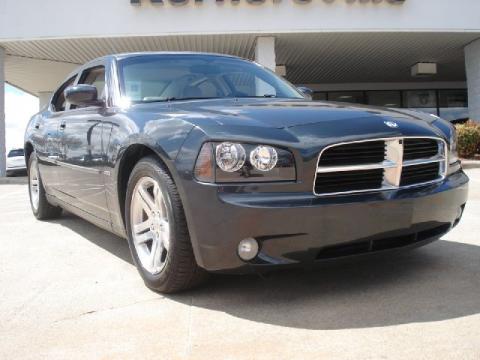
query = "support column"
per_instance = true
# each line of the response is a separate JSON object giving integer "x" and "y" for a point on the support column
{"x": 472, "y": 65}
{"x": 265, "y": 52}
{"x": 3, "y": 156}
{"x": 44, "y": 98}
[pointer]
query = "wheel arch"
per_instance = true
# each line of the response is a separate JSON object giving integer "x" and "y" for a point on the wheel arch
{"x": 129, "y": 158}
{"x": 28, "y": 148}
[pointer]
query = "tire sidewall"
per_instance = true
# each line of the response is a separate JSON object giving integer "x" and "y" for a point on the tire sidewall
{"x": 151, "y": 169}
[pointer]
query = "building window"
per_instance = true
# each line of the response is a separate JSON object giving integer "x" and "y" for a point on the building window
{"x": 384, "y": 98}
{"x": 453, "y": 105}
{"x": 347, "y": 96}
{"x": 422, "y": 100}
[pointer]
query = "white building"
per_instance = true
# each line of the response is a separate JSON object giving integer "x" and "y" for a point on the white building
{"x": 421, "y": 54}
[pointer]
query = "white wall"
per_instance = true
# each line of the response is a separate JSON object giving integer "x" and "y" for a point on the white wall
{"x": 86, "y": 18}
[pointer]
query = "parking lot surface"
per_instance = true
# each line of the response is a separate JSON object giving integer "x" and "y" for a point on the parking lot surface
{"x": 68, "y": 290}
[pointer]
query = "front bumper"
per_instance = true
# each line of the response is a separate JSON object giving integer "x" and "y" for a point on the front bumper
{"x": 301, "y": 229}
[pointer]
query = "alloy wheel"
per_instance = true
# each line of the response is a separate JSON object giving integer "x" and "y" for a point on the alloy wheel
{"x": 150, "y": 224}
{"x": 34, "y": 184}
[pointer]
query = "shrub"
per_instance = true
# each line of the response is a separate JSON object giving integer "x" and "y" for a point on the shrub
{"x": 468, "y": 139}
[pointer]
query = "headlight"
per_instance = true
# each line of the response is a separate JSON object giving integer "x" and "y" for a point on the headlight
{"x": 450, "y": 132}
{"x": 264, "y": 158}
{"x": 233, "y": 162}
{"x": 230, "y": 157}
{"x": 453, "y": 155}
{"x": 454, "y": 163}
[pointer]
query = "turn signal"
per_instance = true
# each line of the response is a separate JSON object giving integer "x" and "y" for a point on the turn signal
{"x": 204, "y": 164}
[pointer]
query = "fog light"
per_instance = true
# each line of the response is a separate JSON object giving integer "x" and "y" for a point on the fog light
{"x": 248, "y": 249}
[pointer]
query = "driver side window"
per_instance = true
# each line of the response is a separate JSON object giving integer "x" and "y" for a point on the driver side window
{"x": 95, "y": 76}
{"x": 59, "y": 103}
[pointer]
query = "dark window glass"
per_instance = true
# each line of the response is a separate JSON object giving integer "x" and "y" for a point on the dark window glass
{"x": 322, "y": 96}
{"x": 59, "y": 103}
{"x": 347, "y": 96}
{"x": 175, "y": 77}
{"x": 384, "y": 98}
{"x": 420, "y": 99}
{"x": 453, "y": 98}
{"x": 96, "y": 77}
{"x": 16, "y": 152}
{"x": 453, "y": 105}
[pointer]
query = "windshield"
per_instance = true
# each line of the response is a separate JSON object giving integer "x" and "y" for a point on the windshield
{"x": 16, "y": 152}
{"x": 150, "y": 78}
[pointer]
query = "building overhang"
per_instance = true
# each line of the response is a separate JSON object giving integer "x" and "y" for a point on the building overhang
{"x": 314, "y": 58}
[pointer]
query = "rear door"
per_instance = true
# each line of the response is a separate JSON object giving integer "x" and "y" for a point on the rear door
{"x": 82, "y": 158}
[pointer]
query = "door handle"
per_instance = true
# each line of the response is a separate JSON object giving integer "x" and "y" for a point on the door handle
{"x": 63, "y": 124}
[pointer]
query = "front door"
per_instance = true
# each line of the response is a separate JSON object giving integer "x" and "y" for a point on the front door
{"x": 82, "y": 159}
{"x": 48, "y": 137}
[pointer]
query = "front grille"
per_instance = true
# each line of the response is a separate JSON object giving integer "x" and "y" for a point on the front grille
{"x": 379, "y": 164}
{"x": 354, "y": 153}
{"x": 333, "y": 182}
{"x": 419, "y": 173}
{"x": 414, "y": 148}
{"x": 387, "y": 243}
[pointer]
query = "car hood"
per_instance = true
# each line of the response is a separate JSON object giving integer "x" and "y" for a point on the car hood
{"x": 301, "y": 119}
{"x": 276, "y": 113}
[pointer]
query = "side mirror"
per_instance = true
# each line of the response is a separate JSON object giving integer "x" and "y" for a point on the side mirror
{"x": 82, "y": 95}
{"x": 306, "y": 92}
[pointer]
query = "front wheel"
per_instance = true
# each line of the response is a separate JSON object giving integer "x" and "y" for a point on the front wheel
{"x": 157, "y": 230}
{"x": 41, "y": 208}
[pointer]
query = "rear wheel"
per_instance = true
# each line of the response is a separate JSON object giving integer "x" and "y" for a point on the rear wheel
{"x": 41, "y": 208}
{"x": 157, "y": 230}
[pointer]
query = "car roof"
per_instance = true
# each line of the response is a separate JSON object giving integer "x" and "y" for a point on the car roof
{"x": 153, "y": 53}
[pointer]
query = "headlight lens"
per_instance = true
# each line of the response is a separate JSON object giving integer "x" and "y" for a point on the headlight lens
{"x": 230, "y": 157}
{"x": 453, "y": 156}
{"x": 234, "y": 162}
{"x": 264, "y": 158}
{"x": 454, "y": 164}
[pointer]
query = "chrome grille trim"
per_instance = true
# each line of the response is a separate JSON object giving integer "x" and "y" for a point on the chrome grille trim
{"x": 393, "y": 164}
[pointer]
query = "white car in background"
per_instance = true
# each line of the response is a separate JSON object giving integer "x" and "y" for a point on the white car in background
{"x": 16, "y": 162}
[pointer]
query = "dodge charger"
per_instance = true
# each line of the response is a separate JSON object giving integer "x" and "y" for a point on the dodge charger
{"x": 211, "y": 163}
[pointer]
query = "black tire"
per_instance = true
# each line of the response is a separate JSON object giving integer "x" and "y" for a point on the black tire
{"x": 180, "y": 271}
{"x": 44, "y": 210}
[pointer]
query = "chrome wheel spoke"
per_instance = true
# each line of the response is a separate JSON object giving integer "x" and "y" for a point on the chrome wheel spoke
{"x": 156, "y": 253}
{"x": 158, "y": 197}
{"x": 143, "y": 238}
{"x": 148, "y": 202}
{"x": 34, "y": 185}
{"x": 165, "y": 234}
{"x": 143, "y": 226}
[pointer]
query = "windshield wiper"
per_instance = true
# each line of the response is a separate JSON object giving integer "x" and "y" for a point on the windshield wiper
{"x": 258, "y": 96}
{"x": 177, "y": 99}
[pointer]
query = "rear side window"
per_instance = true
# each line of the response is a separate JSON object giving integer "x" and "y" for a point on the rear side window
{"x": 59, "y": 103}
{"x": 95, "y": 76}
{"x": 16, "y": 152}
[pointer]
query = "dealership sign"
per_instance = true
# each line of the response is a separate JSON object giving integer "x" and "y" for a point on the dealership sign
{"x": 258, "y": 2}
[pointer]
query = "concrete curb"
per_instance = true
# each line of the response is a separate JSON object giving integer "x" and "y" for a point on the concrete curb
{"x": 470, "y": 164}
{"x": 21, "y": 180}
